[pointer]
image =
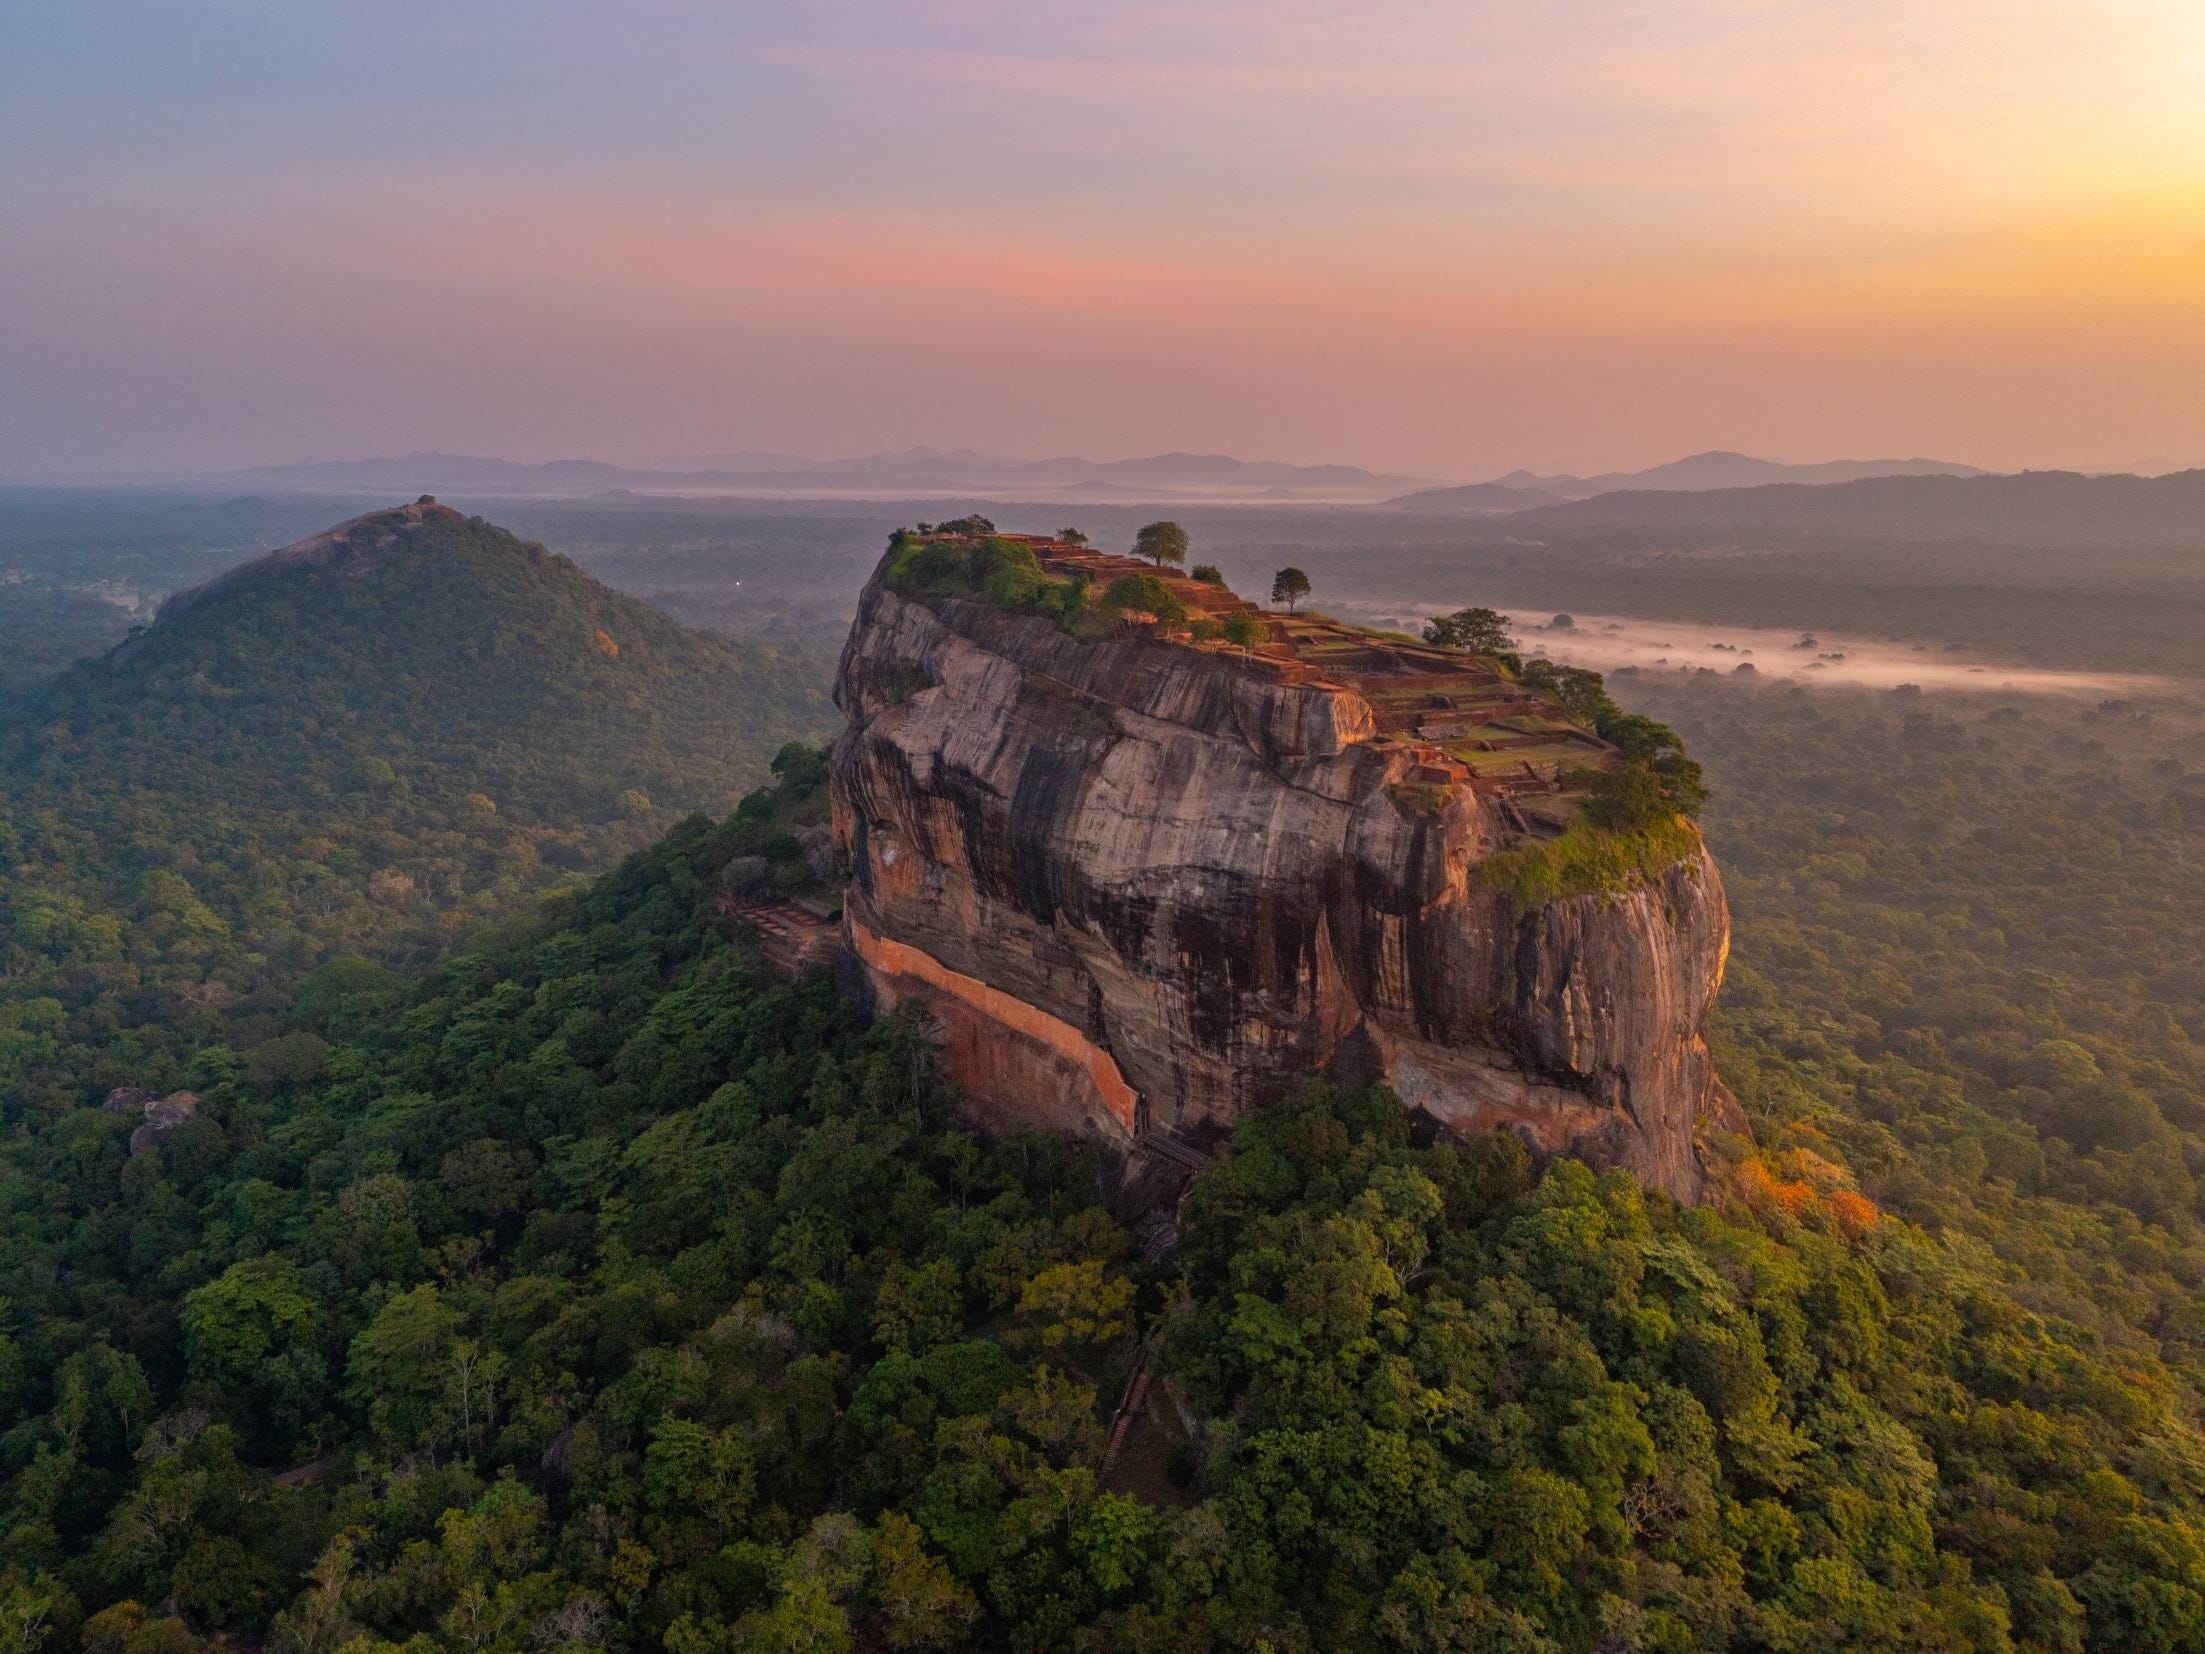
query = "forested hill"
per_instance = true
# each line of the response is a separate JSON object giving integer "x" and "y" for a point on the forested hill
{"x": 357, "y": 743}
{"x": 438, "y": 648}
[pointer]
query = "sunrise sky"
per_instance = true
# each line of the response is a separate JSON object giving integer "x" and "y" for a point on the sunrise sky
{"x": 1441, "y": 236}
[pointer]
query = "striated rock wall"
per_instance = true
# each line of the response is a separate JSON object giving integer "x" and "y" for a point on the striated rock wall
{"x": 1146, "y": 888}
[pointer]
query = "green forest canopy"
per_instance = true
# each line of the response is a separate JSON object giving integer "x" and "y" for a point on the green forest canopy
{"x": 601, "y": 1289}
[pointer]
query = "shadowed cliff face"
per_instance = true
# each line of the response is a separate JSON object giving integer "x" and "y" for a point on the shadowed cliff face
{"x": 1146, "y": 889}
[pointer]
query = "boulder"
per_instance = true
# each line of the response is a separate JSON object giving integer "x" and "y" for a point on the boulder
{"x": 162, "y": 1116}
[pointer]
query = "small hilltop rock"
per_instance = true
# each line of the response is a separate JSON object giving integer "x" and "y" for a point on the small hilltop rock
{"x": 163, "y": 1115}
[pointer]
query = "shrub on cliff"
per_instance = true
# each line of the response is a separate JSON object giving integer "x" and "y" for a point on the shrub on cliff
{"x": 1656, "y": 778}
{"x": 1582, "y": 693}
{"x": 923, "y": 566}
{"x": 1062, "y": 601}
{"x": 1627, "y": 798}
{"x": 1144, "y": 594}
{"x": 1007, "y": 573}
{"x": 800, "y": 765}
{"x": 1590, "y": 859}
{"x": 1633, "y": 827}
{"x": 995, "y": 570}
{"x": 1661, "y": 750}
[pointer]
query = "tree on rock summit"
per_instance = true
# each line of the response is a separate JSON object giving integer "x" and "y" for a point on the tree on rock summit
{"x": 1162, "y": 543}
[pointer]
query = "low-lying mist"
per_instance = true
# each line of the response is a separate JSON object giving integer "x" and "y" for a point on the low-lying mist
{"x": 1626, "y": 643}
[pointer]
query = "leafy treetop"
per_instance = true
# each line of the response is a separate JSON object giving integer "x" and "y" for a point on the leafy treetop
{"x": 1144, "y": 593}
{"x": 1481, "y": 631}
{"x": 1161, "y": 542}
{"x": 1003, "y": 572}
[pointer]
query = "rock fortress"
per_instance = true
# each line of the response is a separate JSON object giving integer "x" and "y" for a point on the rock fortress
{"x": 1148, "y": 878}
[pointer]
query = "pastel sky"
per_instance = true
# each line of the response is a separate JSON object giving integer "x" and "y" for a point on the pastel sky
{"x": 1442, "y": 236}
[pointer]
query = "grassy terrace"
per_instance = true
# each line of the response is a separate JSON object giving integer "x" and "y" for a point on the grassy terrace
{"x": 1465, "y": 711}
{"x": 1089, "y": 594}
{"x": 1596, "y": 799}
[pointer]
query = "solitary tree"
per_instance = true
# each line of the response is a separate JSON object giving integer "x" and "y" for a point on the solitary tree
{"x": 1162, "y": 543}
{"x": 1481, "y": 631}
{"x": 1071, "y": 536}
{"x": 1289, "y": 586}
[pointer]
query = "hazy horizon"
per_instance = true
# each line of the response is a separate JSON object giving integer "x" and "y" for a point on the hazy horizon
{"x": 737, "y": 464}
{"x": 1425, "y": 238}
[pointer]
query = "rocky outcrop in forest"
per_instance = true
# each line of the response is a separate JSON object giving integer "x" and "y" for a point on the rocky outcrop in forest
{"x": 1147, "y": 886}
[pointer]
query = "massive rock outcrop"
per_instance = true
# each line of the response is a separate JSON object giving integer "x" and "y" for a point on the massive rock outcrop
{"x": 1148, "y": 887}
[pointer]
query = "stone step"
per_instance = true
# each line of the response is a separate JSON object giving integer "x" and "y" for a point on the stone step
{"x": 1169, "y": 1146}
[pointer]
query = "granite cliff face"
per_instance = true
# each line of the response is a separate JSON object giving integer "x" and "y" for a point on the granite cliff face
{"x": 1147, "y": 887}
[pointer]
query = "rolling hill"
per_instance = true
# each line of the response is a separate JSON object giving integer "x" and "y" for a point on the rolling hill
{"x": 358, "y": 743}
{"x": 466, "y": 660}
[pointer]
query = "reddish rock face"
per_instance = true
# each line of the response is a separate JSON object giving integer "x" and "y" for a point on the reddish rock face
{"x": 1148, "y": 888}
{"x": 1018, "y": 1064}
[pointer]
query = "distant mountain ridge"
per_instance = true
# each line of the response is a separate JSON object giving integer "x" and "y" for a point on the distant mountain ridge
{"x": 2029, "y": 508}
{"x": 1474, "y": 499}
{"x": 1718, "y": 468}
{"x": 912, "y": 471}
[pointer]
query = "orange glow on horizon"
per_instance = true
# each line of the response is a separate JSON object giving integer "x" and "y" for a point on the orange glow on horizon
{"x": 1420, "y": 235}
